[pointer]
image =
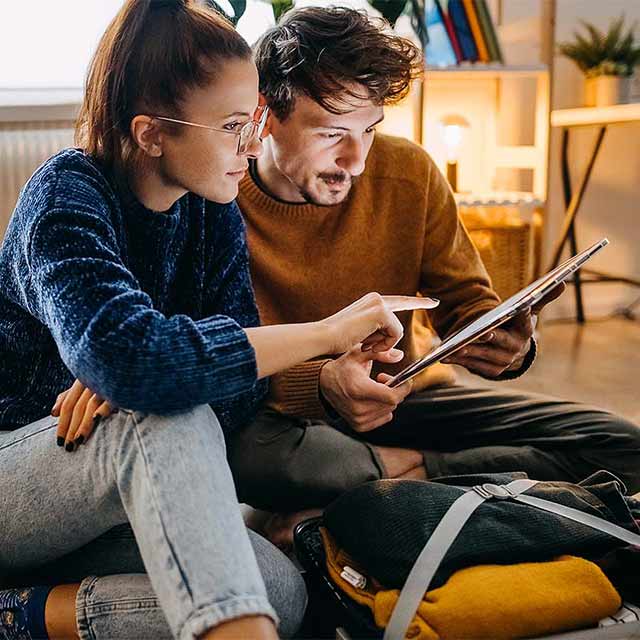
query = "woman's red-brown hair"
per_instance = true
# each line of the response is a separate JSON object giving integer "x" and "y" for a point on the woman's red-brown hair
{"x": 150, "y": 56}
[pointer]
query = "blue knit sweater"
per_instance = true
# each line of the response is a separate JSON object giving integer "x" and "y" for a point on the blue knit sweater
{"x": 145, "y": 308}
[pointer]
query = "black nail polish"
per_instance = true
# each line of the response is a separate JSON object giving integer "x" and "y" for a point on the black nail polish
{"x": 96, "y": 420}
{"x": 69, "y": 446}
{"x": 79, "y": 440}
{"x": 60, "y": 441}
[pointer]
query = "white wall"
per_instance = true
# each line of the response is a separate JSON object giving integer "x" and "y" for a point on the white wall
{"x": 611, "y": 205}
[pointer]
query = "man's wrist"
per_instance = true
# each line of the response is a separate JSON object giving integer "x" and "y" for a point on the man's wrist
{"x": 527, "y": 361}
{"x": 332, "y": 414}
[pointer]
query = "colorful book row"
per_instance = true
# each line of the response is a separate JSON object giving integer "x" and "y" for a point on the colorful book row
{"x": 460, "y": 30}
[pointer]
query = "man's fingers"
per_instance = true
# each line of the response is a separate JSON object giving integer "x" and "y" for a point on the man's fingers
{"x": 556, "y": 292}
{"x": 407, "y": 303}
{"x": 481, "y": 367}
{"x": 66, "y": 410}
{"x": 404, "y": 389}
{"x": 488, "y": 353}
{"x": 372, "y": 391}
{"x": 506, "y": 341}
{"x": 471, "y": 354}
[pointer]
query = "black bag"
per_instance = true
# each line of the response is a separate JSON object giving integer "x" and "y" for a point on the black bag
{"x": 388, "y": 513}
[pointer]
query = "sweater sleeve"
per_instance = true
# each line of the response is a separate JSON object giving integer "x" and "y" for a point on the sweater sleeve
{"x": 105, "y": 327}
{"x": 228, "y": 291}
{"x": 452, "y": 270}
{"x": 296, "y": 391}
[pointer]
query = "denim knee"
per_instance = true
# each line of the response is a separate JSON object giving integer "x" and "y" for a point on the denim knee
{"x": 285, "y": 587}
{"x": 188, "y": 425}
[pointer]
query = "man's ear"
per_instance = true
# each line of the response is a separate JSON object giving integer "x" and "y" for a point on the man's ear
{"x": 147, "y": 135}
{"x": 262, "y": 102}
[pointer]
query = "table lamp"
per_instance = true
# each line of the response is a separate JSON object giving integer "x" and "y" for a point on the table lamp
{"x": 453, "y": 132}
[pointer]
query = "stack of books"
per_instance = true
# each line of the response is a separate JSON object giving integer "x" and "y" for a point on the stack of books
{"x": 460, "y": 31}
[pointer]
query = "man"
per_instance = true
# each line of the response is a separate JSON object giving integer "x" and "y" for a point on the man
{"x": 334, "y": 210}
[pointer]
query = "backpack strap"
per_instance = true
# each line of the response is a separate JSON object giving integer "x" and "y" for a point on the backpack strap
{"x": 443, "y": 536}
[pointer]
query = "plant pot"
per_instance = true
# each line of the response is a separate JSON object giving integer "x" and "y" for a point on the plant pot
{"x": 603, "y": 91}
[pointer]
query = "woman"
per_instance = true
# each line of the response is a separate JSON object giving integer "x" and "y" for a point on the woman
{"x": 125, "y": 266}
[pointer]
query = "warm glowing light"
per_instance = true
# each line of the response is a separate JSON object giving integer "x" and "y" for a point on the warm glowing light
{"x": 453, "y": 131}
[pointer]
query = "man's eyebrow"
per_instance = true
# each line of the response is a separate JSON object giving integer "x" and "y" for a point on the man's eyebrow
{"x": 327, "y": 126}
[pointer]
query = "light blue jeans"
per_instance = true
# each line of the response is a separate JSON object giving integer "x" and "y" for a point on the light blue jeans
{"x": 164, "y": 480}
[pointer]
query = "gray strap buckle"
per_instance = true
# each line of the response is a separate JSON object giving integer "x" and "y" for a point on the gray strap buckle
{"x": 497, "y": 491}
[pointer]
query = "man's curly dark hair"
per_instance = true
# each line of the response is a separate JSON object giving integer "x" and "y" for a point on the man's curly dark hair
{"x": 334, "y": 55}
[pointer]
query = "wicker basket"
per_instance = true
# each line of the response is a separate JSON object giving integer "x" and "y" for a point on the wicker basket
{"x": 505, "y": 241}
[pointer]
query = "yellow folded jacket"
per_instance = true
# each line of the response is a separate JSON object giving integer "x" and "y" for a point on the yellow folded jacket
{"x": 496, "y": 602}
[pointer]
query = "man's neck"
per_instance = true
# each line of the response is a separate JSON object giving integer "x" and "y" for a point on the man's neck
{"x": 272, "y": 180}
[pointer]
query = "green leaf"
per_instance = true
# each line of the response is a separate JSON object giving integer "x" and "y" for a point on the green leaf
{"x": 390, "y": 9}
{"x": 239, "y": 7}
{"x": 280, "y": 7}
{"x": 597, "y": 52}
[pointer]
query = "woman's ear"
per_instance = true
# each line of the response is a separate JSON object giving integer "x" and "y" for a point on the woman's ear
{"x": 147, "y": 135}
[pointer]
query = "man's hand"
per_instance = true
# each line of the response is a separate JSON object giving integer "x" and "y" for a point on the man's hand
{"x": 346, "y": 385}
{"x": 79, "y": 411}
{"x": 505, "y": 348}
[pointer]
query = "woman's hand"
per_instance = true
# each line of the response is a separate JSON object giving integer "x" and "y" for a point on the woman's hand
{"x": 371, "y": 321}
{"x": 80, "y": 411}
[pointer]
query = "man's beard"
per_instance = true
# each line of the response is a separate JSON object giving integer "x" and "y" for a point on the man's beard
{"x": 334, "y": 179}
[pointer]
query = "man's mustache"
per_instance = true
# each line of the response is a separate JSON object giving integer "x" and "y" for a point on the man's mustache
{"x": 336, "y": 178}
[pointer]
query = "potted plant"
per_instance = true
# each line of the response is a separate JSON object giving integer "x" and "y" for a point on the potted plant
{"x": 607, "y": 59}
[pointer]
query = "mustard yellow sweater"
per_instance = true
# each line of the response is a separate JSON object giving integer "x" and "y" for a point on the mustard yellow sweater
{"x": 492, "y": 602}
{"x": 398, "y": 232}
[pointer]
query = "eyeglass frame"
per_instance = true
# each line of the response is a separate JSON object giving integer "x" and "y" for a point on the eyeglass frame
{"x": 256, "y": 126}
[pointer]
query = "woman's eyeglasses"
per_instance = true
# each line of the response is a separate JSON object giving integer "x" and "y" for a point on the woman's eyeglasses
{"x": 247, "y": 134}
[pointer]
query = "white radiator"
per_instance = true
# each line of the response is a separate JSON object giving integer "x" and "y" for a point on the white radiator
{"x": 23, "y": 148}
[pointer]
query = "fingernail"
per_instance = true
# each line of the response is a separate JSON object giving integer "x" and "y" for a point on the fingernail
{"x": 79, "y": 440}
{"x": 96, "y": 420}
{"x": 60, "y": 441}
{"x": 69, "y": 446}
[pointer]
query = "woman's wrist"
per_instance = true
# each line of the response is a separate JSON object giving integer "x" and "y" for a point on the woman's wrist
{"x": 323, "y": 337}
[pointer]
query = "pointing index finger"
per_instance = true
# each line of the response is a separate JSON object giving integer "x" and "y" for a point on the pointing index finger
{"x": 407, "y": 303}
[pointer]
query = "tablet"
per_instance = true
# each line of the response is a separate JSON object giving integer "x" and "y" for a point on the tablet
{"x": 503, "y": 312}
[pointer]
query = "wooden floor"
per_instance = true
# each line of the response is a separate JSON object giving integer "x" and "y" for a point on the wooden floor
{"x": 597, "y": 363}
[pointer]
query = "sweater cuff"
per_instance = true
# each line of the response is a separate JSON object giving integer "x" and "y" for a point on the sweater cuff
{"x": 296, "y": 392}
{"x": 526, "y": 363}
